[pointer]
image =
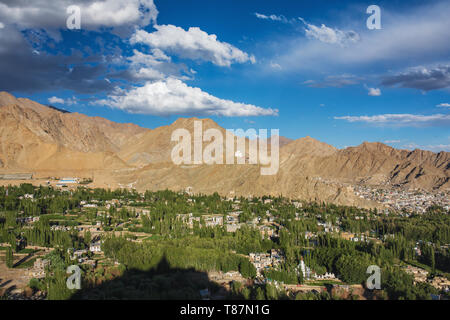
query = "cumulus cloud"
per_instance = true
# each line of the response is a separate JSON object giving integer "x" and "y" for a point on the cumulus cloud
{"x": 174, "y": 97}
{"x": 374, "y": 92}
{"x": 157, "y": 57}
{"x": 149, "y": 74}
{"x": 94, "y": 13}
{"x": 421, "y": 78}
{"x": 192, "y": 44}
{"x": 56, "y": 100}
{"x": 153, "y": 66}
{"x": 330, "y": 35}
{"x": 443, "y": 105}
{"x": 401, "y": 120}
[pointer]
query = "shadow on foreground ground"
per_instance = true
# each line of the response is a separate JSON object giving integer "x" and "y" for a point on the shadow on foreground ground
{"x": 162, "y": 282}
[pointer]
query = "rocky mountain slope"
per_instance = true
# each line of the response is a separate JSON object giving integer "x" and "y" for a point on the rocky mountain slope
{"x": 37, "y": 138}
{"x": 33, "y": 136}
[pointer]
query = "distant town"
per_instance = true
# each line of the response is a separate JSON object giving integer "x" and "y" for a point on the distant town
{"x": 409, "y": 201}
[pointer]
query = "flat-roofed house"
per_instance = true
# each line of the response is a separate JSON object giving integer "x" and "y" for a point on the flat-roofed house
{"x": 68, "y": 181}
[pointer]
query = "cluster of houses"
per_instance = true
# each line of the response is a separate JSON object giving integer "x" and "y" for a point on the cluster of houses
{"x": 409, "y": 200}
{"x": 38, "y": 270}
{"x": 440, "y": 283}
{"x": 95, "y": 247}
{"x": 267, "y": 231}
{"x": 325, "y": 276}
{"x": 27, "y": 196}
{"x": 328, "y": 227}
{"x": 263, "y": 261}
{"x": 27, "y": 219}
{"x": 213, "y": 220}
{"x": 59, "y": 228}
{"x": 230, "y": 221}
{"x": 226, "y": 278}
{"x": 310, "y": 274}
{"x": 189, "y": 219}
{"x": 81, "y": 256}
{"x": 422, "y": 275}
{"x": 353, "y": 237}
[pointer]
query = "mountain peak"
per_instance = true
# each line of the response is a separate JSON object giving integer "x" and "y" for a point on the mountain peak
{"x": 188, "y": 123}
{"x": 375, "y": 147}
{"x": 309, "y": 146}
{"x": 6, "y": 98}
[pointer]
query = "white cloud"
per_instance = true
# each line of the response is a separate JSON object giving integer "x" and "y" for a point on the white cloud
{"x": 401, "y": 119}
{"x": 329, "y": 35}
{"x": 154, "y": 66}
{"x": 173, "y": 96}
{"x": 192, "y": 44}
{"x": 420, "y": 33}
{"x": 272, "y": 17}
{"x": 2, "y": 25}
{"x": 391, "y": 141}
{"x": 433, "y": 148}
{"x": 156, "y": 57}
{"x": 56, "y": 100}
{"x": 374, "y": 92}
{"x": 275, "y": 65}
{"x": 149, "y": 74}
{"x": 94, "y": 13}
{"x": 323, "y": 33}
{"x": 443, "y": 105}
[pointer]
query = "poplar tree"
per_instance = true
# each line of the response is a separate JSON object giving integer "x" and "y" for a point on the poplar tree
{"x": 9, "y": 258}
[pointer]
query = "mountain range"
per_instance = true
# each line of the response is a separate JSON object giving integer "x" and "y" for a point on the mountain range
{"x": 52, "y": 143}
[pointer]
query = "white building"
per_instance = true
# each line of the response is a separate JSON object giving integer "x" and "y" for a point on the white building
{"x": 306, "y": 271}
{"x": 95, "y": 247}
{"x": 68, "y": 181}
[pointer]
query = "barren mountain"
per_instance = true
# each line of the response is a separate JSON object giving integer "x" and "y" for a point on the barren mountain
{"x": 33, "y": 136}
{"x": 37, "y": 138}
{"x": 376, "y": 163}
{"x": 155, "y": 146}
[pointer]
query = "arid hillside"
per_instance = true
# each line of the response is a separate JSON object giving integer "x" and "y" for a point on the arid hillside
{"x": 40, "y": 139}
{"x": 36, "y": 137}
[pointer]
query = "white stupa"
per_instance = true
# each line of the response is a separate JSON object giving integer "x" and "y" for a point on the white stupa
{"x": 304, "y": 269}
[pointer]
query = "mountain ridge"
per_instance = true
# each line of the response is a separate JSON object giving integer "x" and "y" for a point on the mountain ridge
{"x": 38, "y": 138}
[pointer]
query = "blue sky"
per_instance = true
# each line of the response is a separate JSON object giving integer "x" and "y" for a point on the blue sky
{"x": 306, "y": 68}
